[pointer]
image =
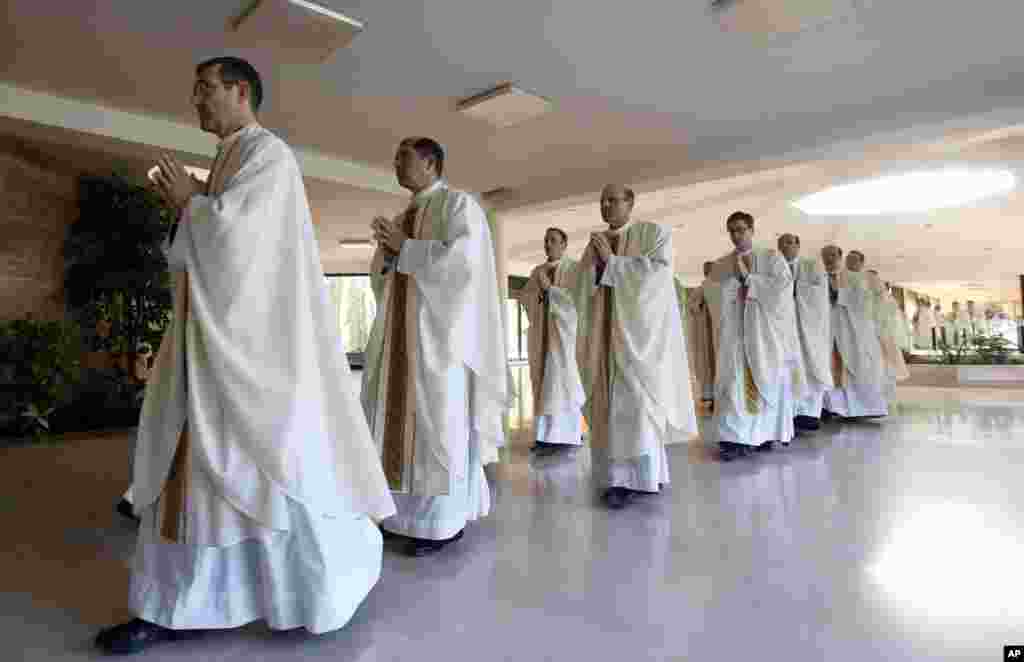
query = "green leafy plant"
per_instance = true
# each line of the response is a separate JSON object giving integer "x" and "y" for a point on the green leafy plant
{"x": 992, "y": 349}
{"x": 116, "y": 280}
{"x": 954, "y": 353}
{"x": 43, "y": 365}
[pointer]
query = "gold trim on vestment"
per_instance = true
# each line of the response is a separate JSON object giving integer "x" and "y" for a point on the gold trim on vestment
{"x": 603, "y": 306}
{"x": 399, "y": 436}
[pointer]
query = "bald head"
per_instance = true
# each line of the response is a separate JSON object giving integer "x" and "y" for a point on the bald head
{"x": 789, "y": 246}
{"x": 855, "y": 261}
{"x": 616, "y": 205}
{"x": 832, "y": 256}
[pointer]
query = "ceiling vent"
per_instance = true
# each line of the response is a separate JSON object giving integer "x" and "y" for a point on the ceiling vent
{"x": 299, "y": 32}
{"x": 503, "y": 106}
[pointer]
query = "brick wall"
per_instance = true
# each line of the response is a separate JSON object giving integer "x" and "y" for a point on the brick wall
{"x": 37, "y": 203}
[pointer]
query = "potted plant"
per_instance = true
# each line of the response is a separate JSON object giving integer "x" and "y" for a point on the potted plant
{"x": 994, "y": 350}
{"x": 116, "y": 280}
{"x": 42, "y": 366}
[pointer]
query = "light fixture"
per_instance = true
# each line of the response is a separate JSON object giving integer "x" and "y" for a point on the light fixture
{"x": 199, "y": 173}
{"x": 910, "y": 192}
{"x": 355, "y": 243}
{"x": 504, "y": 106}
{"x": 298, "y": 31}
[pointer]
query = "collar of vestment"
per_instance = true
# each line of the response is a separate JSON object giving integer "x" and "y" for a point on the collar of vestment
{"x": 619, "y": 230}
{"x": 231, "y": 139}
{"x": 427, "y": 192}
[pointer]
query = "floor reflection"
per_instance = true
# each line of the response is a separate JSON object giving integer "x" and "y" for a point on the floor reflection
{"x": 891, "y": 540}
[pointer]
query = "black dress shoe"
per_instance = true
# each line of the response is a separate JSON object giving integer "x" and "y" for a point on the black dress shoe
{"x": 133, "y": 637}
{"x": 766, "y": 447}
{"x": 422, "y": 547}
{"x": 728, "y": 451}
{"x": 616, "y": 498}
{"x": 387, "y": 535}
{"x": 125, "y": 508}
{"x": 808, "y": 423}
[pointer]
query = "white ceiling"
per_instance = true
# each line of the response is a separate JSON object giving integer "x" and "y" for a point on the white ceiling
{"x": 652, "y": 93}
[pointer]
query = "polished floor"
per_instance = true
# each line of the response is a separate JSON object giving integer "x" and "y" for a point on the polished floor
{"x": 894, "y": 540}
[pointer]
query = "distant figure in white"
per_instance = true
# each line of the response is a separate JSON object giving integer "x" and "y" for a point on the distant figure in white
{"x": 558, "y": 395}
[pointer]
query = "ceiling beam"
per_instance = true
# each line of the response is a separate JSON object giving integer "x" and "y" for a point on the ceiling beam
{"x": 74, "y": 115}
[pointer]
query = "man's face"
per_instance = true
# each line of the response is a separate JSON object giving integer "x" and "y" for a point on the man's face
{"x": 831, "y": 256}
{"x": 554, "y": 246}
{"x": 615, "y": 206}
{"x": 218, "y": 105}
{"x": 956, "y": 306}
{"x": 970, "y": 307}
{"x": 854, "y": 262}
{"x": 741, "y": 234}
{"x": 414, "y": 172}
{"x": 789, "y": 246}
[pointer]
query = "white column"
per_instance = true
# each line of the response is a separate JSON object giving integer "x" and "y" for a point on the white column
{"x": 497, "y": 227}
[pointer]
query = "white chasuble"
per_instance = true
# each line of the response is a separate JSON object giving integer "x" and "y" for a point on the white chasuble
{"x": 633, "y": 359}
{"x": 435, "y": 386}
{"x": 758, "y": 369}
{"x": 813, "y": 316}
{"x": 253, "y": 454}
{"x": 554, "y": 374}
{"x": 858, "y": 370}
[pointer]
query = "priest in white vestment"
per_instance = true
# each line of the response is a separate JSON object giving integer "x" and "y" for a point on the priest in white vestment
{"x": 758, "y": 374}
{"x": 924, "y": 322}
{"x": 940, "y": 326}
{"x": 979, "y": 324}
{"x": 436, "y": 382}
{"x": 888, "y": 322}
{"x": 554, "y": 374}
{"x": 958, "y": 326}
{"x": 813, "y": 319}
{"x": 704, "y": 307}
{"x": 632, "y": 352}
{"x": 255, "y": 476}
{"x": 858, "y": 371}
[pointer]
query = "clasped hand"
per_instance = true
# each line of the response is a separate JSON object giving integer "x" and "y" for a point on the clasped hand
{"x": 174, "y": 183}
{"x": 599, "y": 244}
{"x": 388, "y": 234}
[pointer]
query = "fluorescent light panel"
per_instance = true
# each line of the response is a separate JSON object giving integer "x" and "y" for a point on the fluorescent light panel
{"x": 907, "y": 193}
{"x": 297, "y": 30}
{"x": 504, "y": 106}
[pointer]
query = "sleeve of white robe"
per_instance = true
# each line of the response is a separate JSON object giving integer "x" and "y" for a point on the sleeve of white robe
{"x": 269, "y": 382}
{"x": 456, "y": 277}
{"x": 653, "y": 347}
{"x": 770, "y": 322}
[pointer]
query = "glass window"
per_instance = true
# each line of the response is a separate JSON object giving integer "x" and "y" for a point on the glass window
{"x": 354, "y": 308}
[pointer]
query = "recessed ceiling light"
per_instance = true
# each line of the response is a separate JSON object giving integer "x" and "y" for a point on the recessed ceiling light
{"x": 908, "y": 193}
{"x": 200, "y": 173}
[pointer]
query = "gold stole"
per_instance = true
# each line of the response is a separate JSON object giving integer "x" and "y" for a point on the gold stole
{"x": 603, "y": 329}
{"x": 545, "y": 341}
{"x": 174, "y": 498}
{"x": 710, "y": 341}
{"x": 752, "y": 395}
{"x": 398, "y": 440}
